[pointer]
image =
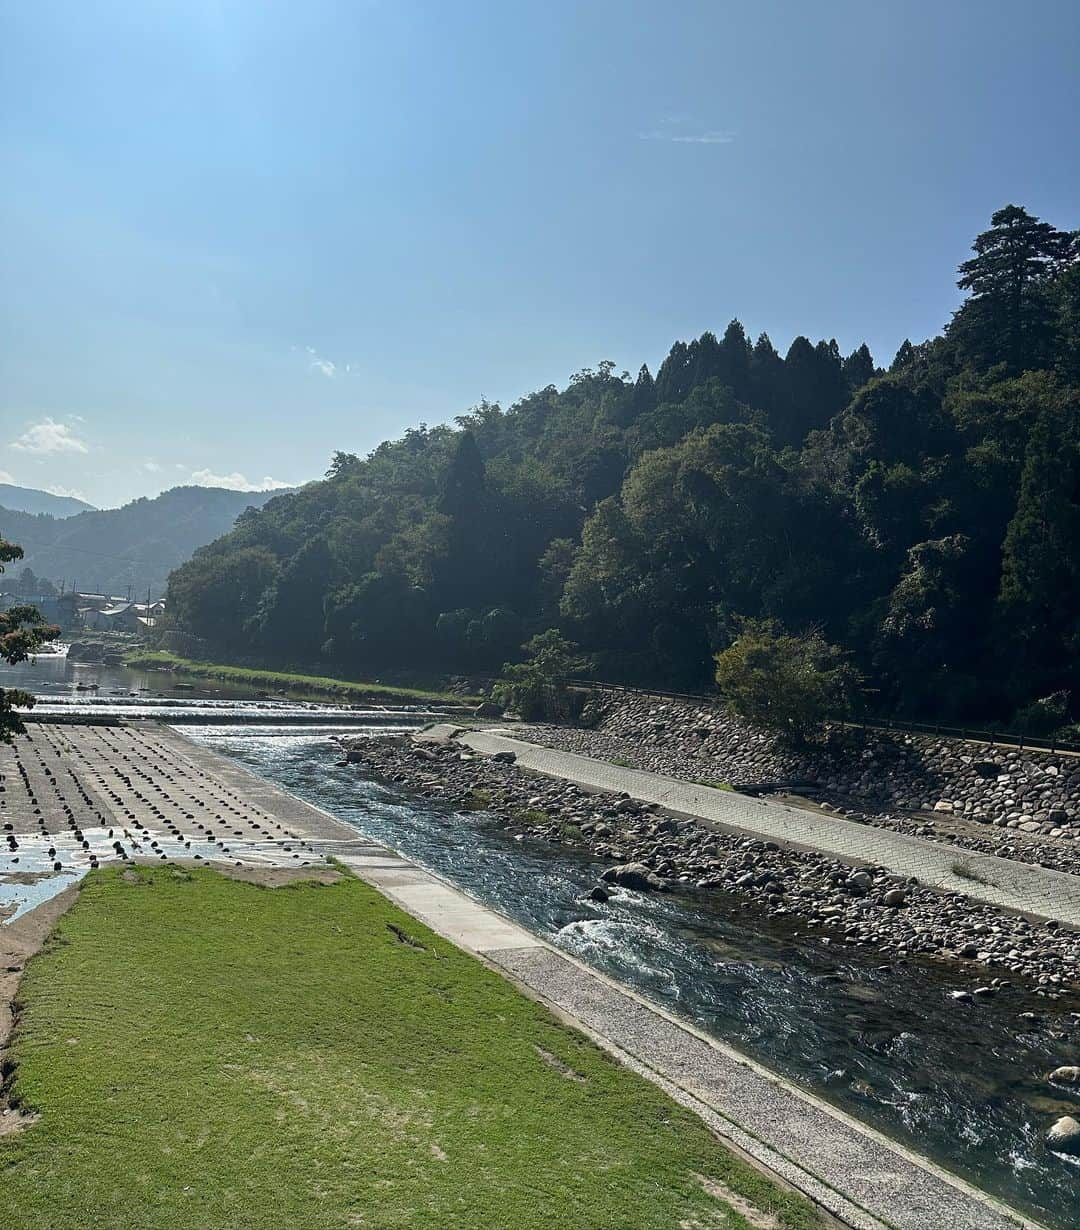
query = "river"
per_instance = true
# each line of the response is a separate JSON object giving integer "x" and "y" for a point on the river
{"x": 961, "y": 1083}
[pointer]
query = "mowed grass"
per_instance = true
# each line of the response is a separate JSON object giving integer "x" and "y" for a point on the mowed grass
{"x": 289, "y": 681}
{"x": 208, "y": 1053}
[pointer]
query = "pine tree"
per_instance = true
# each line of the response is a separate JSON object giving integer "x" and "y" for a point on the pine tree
{"x": 643, "y": 398}
{"x": 463, "y": 486}
{"x": 1040, "y": 577}
{"x": 1068, "y": 339}
{"x": 766, "y": 374}
{"x": 673, "y": 378}
{"x": 859, "y": 368}
{"x": 735, "y": 356}
{"x": 904, "y": 356}
{"x": 1009, "y": 315}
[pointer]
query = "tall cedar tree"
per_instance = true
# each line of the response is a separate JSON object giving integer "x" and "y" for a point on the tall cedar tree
{"x": 1009, "y": 317}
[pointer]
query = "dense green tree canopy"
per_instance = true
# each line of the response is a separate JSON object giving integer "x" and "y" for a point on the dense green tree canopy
{"x": 923, "y": 519}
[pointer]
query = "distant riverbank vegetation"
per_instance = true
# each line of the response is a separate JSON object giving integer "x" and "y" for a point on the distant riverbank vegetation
{"x": 922, "y": 518}
{"x": 292, "y": 682}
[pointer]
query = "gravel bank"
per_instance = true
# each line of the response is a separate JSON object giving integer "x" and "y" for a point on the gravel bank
{"x": 943, "y": 789}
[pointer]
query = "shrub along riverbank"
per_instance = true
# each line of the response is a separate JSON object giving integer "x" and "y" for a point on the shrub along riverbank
{"x": 311, "y": 1056}
{"x": 296, "y": 684}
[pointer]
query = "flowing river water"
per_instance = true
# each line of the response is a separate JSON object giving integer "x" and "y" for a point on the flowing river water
{"x": 962, "y": 1083}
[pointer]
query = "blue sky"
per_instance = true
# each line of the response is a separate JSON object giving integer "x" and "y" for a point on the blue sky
{"x": 235, "y": 236}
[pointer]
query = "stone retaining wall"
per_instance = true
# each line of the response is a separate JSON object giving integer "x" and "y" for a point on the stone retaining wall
{"x": 1031, "y": 790}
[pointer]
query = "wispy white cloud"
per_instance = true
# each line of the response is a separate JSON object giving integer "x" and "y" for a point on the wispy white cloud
{"x": 236, "y": 481}
{"x": 49, "y": 436}
{"x": 151, "y": 466}
{"x": 73, "y": 492}
{"x": 685, "y": 130}
{"x": 5, "y": 477}
{"x": 688, "y": 138}
{"x": 320, "y": 364}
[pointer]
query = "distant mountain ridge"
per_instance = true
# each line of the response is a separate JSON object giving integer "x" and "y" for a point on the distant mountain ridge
{"x": 31, "y": 500}
{"x": 135, "y": 547}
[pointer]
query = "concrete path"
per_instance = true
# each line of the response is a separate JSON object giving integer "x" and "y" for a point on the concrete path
{"x": 181, "y": 793}
{"x": 998, "y": 881}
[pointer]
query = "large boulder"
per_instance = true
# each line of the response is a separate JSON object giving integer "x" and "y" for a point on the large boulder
{"x": 636, "y": 876}
{"x": 487, "y": 709}
{"x": 1064, "y": 1136}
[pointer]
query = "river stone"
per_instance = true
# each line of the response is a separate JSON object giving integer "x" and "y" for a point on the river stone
{"x": 895, "y": 897}
{"x": 634, "y": 875}
{"x": 504, "y": 757}
{"x": 987, "y": 768}
{"x": 1067, "y": 1075}
{"x": 1064, "y": 1136}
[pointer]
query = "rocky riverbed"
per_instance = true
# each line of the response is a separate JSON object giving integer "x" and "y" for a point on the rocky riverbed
{"x": 943, "y": 789}
{"x": 866, "y": 908}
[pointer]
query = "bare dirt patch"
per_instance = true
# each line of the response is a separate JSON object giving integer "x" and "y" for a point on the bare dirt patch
{"x": 19, "y": 941}
{"x": 553, "y": 1061}
{"x": 756, "y": 1217}
{"x": 402, "y": 936}
{"x": 271, "y": 877}
{"x": 13, "y": 1120}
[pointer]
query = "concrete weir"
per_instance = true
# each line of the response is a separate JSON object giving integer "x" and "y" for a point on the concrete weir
{"x": 164, "y": 797}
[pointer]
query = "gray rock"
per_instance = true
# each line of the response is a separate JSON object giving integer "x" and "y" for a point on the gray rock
{"x": 1064, "y": 1136}
{"x": 1066, "y": 1075}
{"x": 504, "y": 757}
{"x": 636, "y": 876}
{"x": 895, "y": 898}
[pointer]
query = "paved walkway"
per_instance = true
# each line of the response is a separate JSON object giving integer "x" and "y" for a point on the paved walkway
{"x": 999, "y": 881}
{"x": 173, "y": 799}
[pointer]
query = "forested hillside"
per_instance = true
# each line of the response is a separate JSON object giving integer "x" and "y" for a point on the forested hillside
{"x": 31, "y": 500}
{"x": 925, "y": 517}
{"x": 108, "y": 550}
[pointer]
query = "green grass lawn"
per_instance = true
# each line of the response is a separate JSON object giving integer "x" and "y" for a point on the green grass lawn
{"x": 289, "y": 681}
{"x": 207, "y": 1053}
